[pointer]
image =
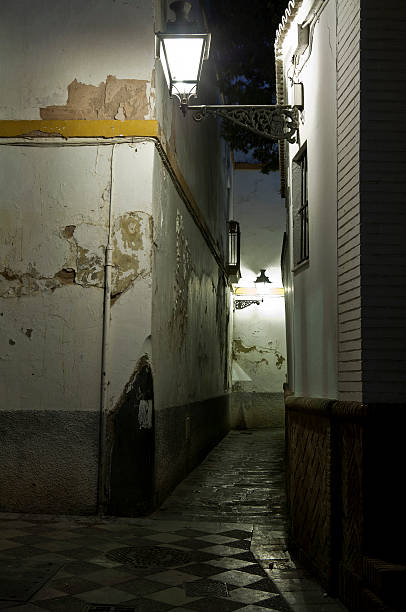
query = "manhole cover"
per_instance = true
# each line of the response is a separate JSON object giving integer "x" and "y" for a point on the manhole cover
{"x": 201, "y": 588}
{"x": 151, "y": 556}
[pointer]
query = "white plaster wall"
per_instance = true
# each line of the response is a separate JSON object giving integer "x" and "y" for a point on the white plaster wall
{"x": 190, "y": 304}
{"x": 46, "y": 45}
{"x": 131, "y": 310}
{"x": 189, "y": 338}
{"x": 54, "y": 226}
{"x": 259, "y": 345}
{"x": 196, "y": 148}
{"x": 45, "y": 190}
{"x": 52, "y": 330}
{"x": 314, "y": 341}
{"x": 55, "y": 213}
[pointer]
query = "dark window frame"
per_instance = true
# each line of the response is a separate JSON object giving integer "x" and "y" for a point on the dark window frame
{"x": 300, "y": 207}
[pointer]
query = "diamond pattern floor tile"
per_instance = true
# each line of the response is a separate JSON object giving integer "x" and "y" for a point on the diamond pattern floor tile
{"x": 175, "y": 596}
{"x": 140, "y": 587}
{"x": 203, "y": 539}
{"x": 248, "y": 596}
{"x": 62, "y": 604}
{"x": 228, "y": 563}
{"x": 236, "y": 577}
{"x": 173, "y": 577}
{"x": 202, "y": 569}
{"x": 214, "y": 605}
{"x": 109, "y": 595}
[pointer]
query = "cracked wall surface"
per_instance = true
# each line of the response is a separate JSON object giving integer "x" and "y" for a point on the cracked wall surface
{"x": 190, "y": 304}
{"x": 53, "y": 235}
{"x": 168, "y": 300}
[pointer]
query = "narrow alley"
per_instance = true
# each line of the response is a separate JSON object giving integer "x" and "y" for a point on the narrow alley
{"x": 217, "y": 544}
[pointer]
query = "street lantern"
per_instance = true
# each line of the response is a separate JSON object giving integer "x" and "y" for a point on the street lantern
{"x": 182, "y": 59}
{"x": 182, "y": 50}
{"x": 263, "y": 284}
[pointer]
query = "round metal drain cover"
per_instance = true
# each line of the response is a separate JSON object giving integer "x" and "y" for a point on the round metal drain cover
{"x": 151, "y": 556}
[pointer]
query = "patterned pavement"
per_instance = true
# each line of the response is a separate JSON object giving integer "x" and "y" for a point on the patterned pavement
{"x": 172, "y": 560}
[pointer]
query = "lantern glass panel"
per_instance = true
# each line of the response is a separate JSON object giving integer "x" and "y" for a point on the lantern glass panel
{"x": 263, "y": 288}
{"x": 183, "y": 56}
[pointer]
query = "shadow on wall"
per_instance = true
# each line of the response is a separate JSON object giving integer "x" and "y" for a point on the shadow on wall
{"x": 132, "y": 432}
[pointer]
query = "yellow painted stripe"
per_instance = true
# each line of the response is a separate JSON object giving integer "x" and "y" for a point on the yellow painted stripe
{"x": 252, "y": 291}
{"x": 80, "y": 128}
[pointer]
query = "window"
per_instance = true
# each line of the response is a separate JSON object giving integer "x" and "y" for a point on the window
{"x": 300, "y": 207}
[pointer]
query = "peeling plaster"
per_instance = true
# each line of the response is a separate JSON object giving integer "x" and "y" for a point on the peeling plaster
{"x": 68, "y": 231}
{"x": 279, "y": 360}
{"x": 263, "y": 360}
{"x": 239, "y": 347}
{"x": 84, "y": 265}
{"x": 14, "y": 285}
{"x": 66, "y": 276}
{"x": 115, "y": 99}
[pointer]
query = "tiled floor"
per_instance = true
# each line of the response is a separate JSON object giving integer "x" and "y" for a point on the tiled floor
{"x": 217, "y": 545}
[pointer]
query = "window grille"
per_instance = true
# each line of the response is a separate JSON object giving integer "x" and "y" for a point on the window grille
{"x": 303, "y": 212}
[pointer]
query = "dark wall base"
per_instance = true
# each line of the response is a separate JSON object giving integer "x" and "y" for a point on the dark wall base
{"x": 251, "y": 410}
{"x": 49, "y": 461}
{"x": 346, "y": 514}
{"x": 184, "y": 435}
{"x": 131, "y": 483}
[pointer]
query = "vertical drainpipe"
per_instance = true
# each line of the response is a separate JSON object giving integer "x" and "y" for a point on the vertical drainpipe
{"x": 104, "y": 382}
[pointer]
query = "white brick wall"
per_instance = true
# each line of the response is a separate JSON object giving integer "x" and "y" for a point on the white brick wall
{"x": 348, "y": 200}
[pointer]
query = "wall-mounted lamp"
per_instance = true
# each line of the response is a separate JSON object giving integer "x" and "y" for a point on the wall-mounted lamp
{"x": 233, "y": 264}
{"x": 263, "y": 285}
{"x": 182, "y": 50}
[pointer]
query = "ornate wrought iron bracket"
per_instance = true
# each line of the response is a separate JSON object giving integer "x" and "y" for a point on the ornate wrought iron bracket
{"x": 239, "y": 304}
{"x": 274, "y": 122}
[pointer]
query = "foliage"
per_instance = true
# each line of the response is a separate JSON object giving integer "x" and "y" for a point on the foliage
{"x": 243, "y": 34}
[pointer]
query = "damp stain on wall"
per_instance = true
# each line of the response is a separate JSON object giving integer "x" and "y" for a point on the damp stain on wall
{"x": 132, "y": 233}
{"x": 221, "y": 313}
{"x": 84, "y": 263}
{"x": 183, "y": 277}
{"x": 113, "y": 99}
{"x": 279, "y": 360}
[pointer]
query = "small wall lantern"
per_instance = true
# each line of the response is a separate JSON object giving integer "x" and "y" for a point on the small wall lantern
{"x": 182, "y": 51}
{"x": 263, "y": 288}
{"x": 263, "y": 284}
